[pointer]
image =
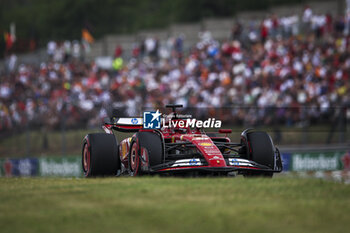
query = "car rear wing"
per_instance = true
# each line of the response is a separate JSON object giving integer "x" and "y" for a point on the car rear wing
{"x": 123, "y": 124}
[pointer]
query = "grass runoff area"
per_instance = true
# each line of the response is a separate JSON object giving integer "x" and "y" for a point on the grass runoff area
{"x": 156, "y": 204}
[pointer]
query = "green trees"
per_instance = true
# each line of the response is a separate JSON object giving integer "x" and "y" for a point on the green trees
{"x": 64, "y": 19}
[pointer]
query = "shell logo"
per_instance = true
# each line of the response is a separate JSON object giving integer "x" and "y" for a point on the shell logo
{"x": 205, "y": 144}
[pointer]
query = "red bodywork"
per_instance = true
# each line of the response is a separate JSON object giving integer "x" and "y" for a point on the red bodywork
{"x": 199, "y": 140}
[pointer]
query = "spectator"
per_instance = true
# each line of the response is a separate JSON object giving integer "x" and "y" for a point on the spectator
{"x": 118, "y": 51}
{"x": 273, "y": 77}
{"x": 51, "y": 47}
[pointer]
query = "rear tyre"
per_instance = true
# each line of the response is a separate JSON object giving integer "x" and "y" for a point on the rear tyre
{"x": 260, "y": 149}
{"x": 100, "y": 155}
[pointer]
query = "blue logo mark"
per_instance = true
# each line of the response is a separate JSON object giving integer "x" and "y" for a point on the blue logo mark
{"x": 151, "y": 120}
{"x": 134, "y": 121}
{"x": 193, "y": 162}
{"x": 234, "y": 162}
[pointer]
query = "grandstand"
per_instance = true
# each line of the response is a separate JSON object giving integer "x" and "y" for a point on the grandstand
{"x": 277, "y": 69}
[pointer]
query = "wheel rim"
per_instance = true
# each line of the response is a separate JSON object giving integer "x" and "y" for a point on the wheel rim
{"x": 86, "y": 159}
{"x": 134, "y": 159}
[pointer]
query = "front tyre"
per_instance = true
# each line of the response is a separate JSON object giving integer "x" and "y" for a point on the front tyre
{"x": 100, "y": 155}
{"x": 151, "y": 145}
{"x": 260, "y": 149}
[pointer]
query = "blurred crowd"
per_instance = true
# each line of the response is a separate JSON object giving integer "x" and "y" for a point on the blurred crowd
{"x": 289, "y": 70}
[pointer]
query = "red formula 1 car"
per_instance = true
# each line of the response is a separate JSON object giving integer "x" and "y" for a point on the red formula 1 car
{"x": 177, "y": 150}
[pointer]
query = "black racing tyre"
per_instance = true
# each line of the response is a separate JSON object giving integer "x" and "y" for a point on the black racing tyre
{"x": 261, "y": 150}
{"x": 154, "y": 145}
{"x": 100, "y": 155}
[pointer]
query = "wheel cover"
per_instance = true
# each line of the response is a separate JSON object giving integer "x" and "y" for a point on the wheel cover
{"x": 86, "y": 159}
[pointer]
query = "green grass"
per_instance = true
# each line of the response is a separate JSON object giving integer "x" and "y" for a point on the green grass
{"x": 153, "y": 204}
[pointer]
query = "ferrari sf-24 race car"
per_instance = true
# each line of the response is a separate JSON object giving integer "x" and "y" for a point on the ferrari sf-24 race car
{"x": 177, "y": 151}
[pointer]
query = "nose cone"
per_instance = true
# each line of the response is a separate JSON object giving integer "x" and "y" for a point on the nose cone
{"x": 210, "y": 152}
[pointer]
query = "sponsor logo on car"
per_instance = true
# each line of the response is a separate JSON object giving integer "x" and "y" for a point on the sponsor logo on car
{"x": 239, "y": 162}
{"x": 200, "y": 138}
{"x": 216, "y": 158}
{"x": 134, "y": 121}
{"x": 234, "y": 162}
{"x": 193, "y": 162}
{"x": 205, "y": 144}
{"x": 187, "y": 162}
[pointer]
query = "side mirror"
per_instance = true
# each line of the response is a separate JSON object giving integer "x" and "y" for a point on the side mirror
{"x": 225, "y": 131}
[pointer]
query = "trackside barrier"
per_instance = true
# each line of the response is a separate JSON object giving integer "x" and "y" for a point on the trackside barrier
{"x": 67, "y": 166}
{"x": 316, "y": 161}
{"x": 70, "y": 166}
